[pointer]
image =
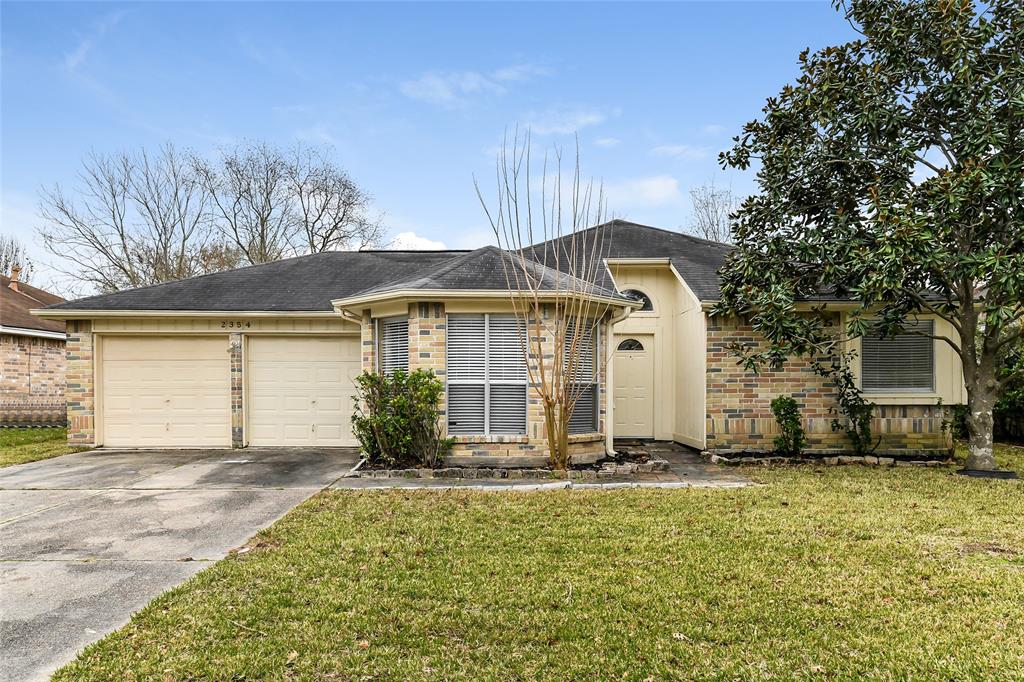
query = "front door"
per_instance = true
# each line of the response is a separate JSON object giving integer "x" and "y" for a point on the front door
{"x": 634, "y": 386}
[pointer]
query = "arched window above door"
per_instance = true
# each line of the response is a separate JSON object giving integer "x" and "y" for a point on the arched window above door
{"x": 640, "y": 296}
{"x": 630, "y": 345}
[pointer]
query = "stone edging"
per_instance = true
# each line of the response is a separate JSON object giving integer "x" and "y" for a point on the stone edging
{"x": 607, "y": 470}
{"x": 866, "y": 460}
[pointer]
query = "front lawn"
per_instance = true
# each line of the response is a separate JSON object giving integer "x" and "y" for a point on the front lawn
{"x": 845, "y": 573}
{"x": 18, "y": 446}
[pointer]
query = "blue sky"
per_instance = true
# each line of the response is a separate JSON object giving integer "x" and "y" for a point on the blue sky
{"x": 413, "y": 98}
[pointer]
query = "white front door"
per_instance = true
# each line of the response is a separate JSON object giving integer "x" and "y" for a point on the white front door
{"x": 634, "y": 386}
{"x": 301, "y": 389}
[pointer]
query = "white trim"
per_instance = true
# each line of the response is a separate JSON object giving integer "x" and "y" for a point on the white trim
{"x": 84, "y": 314}
{"x": 41, "y": 333}
{"x": 443, "y": 294}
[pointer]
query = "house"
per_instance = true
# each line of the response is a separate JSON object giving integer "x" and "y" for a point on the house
{"x": 32, "y": 352}
{"x": 265, "y": 356}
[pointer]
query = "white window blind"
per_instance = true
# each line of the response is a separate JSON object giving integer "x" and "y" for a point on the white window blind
{"x": 584, "y": 375}
{"x": 905, "y": 362}
{"x": 393, "y": 344}
{"x": 487, "y": 379}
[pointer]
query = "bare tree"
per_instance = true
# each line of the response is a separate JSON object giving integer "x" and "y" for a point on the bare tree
{"x": 712, "y": 208}
{"x": 271, "y": 204}
{"x": 332, "y": 211}
{"x": 251, "y": 199}
{"x": 12, "y": 253}
{"x": 551, "y": 285}
{"x": 137, "y": 219}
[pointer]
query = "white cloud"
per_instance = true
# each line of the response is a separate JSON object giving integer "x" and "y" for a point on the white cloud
{"x": 680, "y": 151}
{"x": 410, "y": 241}
{"x": 454, "y": 88}
{"x": 77, "y": 57}
{"x": 656, "y": 190}
{"x": 563, "y": 121}
{"x": 607, "y": 141}
{"x": 713, "y": 129}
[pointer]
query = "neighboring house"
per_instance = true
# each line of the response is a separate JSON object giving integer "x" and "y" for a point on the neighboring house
{"x": 32, "y": 352}
{"x": 265, "y": 356}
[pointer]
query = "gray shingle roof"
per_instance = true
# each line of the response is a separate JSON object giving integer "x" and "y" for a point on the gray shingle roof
{"x": 697, "y": 260}
{"x": 310, "y": 283}
{"x": 295, "y": 284}
{"x": 485, "y": 269}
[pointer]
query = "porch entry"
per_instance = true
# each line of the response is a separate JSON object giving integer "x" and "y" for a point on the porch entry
{"x": 633, "y": 374}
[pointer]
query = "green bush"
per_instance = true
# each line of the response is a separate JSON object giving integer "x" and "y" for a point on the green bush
{"x": 791, "y": 439}
{"x": 397, "y": 420}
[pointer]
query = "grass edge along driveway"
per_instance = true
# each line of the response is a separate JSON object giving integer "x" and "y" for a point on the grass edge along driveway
{"x": 841, "y": 572}
{"x": 22, "y": 445}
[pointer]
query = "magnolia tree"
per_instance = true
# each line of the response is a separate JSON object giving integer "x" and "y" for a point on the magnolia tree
{"x": 551, "y": 285}
{"x": 892, "y": 173}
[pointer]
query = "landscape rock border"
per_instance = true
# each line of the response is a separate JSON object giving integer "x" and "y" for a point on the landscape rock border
{"x": 606, "y": 470}
{"x": 837, "y": 460}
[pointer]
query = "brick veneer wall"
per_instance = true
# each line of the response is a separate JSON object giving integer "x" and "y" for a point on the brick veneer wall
{"x": 80, "y": 390}
{"x": 32, "y": 381}
{"x": 427, "y": 349}
{"x": 739, "y": 416}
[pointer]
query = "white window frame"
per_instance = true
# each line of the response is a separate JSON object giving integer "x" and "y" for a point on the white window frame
{"x": 486, "y": 381}
{"x": 380, "y": 324}
{"x": 927, "y": 326}
{"x": 594, "y": 384}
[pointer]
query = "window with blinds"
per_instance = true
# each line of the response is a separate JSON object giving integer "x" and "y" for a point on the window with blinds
{"x": 487, "y": 379}
{"x": 905, "y": 362}
{"x": 584, "y": 375}
{"x": 392, "y": 344}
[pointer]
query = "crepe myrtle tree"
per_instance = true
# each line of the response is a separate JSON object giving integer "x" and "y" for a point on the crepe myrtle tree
{"x": 892, "y": 173}
{"x": 554, "y": 205}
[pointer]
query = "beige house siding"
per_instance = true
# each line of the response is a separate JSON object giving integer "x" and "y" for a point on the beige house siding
{"x": 661, "y": 286}
{"x": 32, "y": 380}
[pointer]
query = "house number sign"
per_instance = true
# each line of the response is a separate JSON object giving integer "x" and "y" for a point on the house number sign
{"x": 235, "y": 324}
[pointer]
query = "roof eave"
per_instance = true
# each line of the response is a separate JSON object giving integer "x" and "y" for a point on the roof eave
{"x": 442, "y": 294}
{"x": 86, "y": 314}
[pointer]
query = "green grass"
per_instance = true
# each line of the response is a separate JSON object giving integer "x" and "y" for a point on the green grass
{"x": 18, "y": 446}
{"x": 821, "y": 572}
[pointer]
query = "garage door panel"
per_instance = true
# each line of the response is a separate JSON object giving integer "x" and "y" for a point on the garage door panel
{"x": 166, "y": 392}
{"x": 300, "y": 390}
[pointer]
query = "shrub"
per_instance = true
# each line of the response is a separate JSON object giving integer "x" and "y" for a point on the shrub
{"x": 791, "y": 439}
{"x": 855, "y": 409}
{"x": 396, "y": 418}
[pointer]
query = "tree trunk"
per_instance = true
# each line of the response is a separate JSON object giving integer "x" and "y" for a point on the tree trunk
{"x": 979, "y": 427}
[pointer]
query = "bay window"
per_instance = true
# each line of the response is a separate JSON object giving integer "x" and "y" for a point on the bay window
{"x": 487, "y": 378}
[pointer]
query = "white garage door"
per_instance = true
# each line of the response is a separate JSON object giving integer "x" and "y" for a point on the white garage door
{"x": 166, "y": 392}
{"x": 301, "y": 389}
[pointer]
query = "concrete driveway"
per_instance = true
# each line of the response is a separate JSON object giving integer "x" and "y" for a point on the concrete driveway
{"x": 89, "y": 538}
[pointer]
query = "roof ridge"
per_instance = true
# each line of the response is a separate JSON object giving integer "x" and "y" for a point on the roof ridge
{"x": 251, "y": 266}
{"x": 441, "y": 268}
{"x": 687, "y": 235}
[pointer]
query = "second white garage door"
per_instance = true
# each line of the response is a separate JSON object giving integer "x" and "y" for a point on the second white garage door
{"x": 301, "y": 389}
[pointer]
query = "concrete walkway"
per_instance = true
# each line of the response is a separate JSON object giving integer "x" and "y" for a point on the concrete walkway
{"x": 89, "y": 538}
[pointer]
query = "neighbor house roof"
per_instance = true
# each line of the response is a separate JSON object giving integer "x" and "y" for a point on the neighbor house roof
{"x": 16, "y": 304}
{"x": 696, "y": 260}
{"x": 488, "y": 269}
